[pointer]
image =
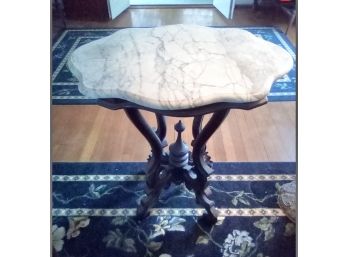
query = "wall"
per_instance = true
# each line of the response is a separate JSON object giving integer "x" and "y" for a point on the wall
{"x": 244, "y": 2}
{"x": 117, "y": 6}
{"x": 154, "y": 2}
{"x": 171, "y": 2}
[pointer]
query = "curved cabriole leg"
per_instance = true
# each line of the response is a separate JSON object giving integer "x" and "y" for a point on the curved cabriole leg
{"x": 196, "y": 129}
{"x": 152, "y": 194}
{"x": 196, "y": 126}
{"x": 154, "y": 184}
{"x": 201, "y": 165}
{"x": 161, "y": 130}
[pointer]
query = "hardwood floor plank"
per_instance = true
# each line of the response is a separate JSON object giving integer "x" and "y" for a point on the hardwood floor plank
{"x": 270, "y": 135}
{"x": 252, "y": 141}
{"x": 92, "y": 136}
{"x": 92, "y": 133}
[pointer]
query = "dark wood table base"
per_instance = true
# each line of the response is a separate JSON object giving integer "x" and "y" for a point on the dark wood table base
{"x": 179, "y": 165}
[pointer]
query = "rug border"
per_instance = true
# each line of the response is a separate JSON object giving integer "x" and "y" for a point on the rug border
{"x": 141, "y": 162}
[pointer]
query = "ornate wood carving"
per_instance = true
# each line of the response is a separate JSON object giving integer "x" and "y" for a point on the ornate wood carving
{"x": 179, "y": 165}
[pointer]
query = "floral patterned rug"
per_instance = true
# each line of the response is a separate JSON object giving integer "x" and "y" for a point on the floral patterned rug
{"x": 65, "y": 86}
{"x": 94, "y": 206}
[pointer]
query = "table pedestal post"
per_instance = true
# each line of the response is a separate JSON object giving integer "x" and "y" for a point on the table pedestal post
{"x": 179, "y": 165}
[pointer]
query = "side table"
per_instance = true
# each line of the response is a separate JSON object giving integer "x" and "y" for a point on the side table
{"x": 181, "y": 71}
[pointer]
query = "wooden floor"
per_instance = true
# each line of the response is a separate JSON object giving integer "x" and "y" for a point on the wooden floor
{"x": 92, "y": 133}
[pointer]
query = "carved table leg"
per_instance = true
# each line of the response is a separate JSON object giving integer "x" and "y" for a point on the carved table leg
{"x": 154, "y": 181}
{"x": 161, "y": 130}
{"x": 196, "y": 126}
{"x": 178, "y": 169}
{"x": 201, "y": 161}
{"x": 196, "y": 129}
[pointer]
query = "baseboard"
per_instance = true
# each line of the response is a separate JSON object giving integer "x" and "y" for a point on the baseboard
{"x": 164, "y": 6}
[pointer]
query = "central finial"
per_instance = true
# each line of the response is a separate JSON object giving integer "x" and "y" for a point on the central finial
{"x": 179, "y": 127}
{"x": 179, "y": 151}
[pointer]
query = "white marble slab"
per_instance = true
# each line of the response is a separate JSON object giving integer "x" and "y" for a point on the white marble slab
{"x": 179, "y": 66}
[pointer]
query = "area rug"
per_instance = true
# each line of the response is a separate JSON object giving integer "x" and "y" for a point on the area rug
{"x": 94, "y": 206}
{"x": 64, "y": 85}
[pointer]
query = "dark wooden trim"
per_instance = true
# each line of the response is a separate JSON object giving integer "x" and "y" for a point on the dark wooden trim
{"x": 140, "y": 123}
{"x": 197, "y": 125}
{"x": 86, "y": 10}
{"x": 198, "y": 153}
{"x": 161, "y": 130}
{"x": 115, "y": 104}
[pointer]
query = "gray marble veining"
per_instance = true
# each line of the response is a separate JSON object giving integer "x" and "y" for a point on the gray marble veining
{"x": 179, "y": 66}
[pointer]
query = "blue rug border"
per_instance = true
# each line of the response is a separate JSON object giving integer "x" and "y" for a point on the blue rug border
{"x": 138, "y": 167}
{"x": 65, "y": 187}
{"x": 95, "y": 102}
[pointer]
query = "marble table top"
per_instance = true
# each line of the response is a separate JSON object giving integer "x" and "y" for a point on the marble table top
{"x": 179, "y": 66}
